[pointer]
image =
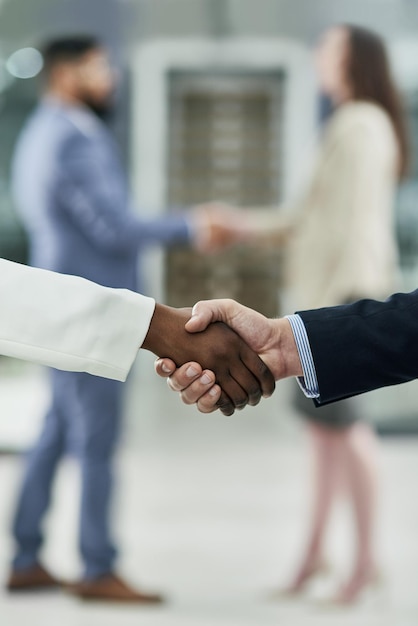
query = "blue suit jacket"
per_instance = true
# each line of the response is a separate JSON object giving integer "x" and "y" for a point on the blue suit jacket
{"x": 72, "y": 195}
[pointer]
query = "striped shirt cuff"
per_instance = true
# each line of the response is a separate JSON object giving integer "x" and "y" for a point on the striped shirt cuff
{"x": 309, "y": 381}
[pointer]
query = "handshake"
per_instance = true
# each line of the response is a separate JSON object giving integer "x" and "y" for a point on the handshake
{"x": 221, "y": 354}
{"x": 217, "y": 225}
{"x": 214, "y": 227}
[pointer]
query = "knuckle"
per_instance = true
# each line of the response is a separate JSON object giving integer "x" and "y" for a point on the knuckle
{"x": 255, "y": 390}
{"x": 241, "y": 402}
{"x": 227, "y": 411}
{"x": 173, "y": 385}
{"x": 205, "y": 401}
{"x": 186, "y": 399}
{"x": 254, "y": 401}
{"x": 204, "y": 408}
{"x": 225, "y": 405}
{"x": 255, "y": 397}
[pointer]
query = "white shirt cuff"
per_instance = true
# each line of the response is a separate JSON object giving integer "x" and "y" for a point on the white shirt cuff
{"x": 309, "y": 381}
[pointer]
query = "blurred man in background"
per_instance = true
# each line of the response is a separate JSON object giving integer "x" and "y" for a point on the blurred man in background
{"x": 72, "y": 194}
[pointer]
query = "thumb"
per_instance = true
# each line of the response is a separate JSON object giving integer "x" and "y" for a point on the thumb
{"x": 203, "y": 314}
{"x": 206, "y": 312}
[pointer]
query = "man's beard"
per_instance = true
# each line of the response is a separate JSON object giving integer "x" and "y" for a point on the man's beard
{"x": 104, "y": 110}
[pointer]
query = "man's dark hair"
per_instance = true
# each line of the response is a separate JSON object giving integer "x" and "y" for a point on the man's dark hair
{"x": 70, "y": 48}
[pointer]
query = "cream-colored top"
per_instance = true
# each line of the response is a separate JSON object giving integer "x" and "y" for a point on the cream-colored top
{"x": 343, "y": 243}
{"x": 70, "y": 323}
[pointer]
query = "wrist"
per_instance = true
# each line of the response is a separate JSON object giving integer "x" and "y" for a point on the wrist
{"x": 288, "y": 360}
{"x": 154, "y": 339}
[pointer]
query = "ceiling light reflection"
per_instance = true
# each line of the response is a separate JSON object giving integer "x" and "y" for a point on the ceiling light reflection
{"x": 25, "y": 63}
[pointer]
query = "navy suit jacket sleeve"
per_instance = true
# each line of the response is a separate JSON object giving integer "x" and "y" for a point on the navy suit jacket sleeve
{"x": 91, "y": 190}
{"x": 363, "y": 346}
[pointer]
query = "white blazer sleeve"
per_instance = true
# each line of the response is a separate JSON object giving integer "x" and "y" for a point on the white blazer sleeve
{"x": 70, "y": 323}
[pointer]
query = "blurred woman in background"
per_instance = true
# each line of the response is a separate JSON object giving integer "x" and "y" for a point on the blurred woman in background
{"x": 341, "y": 247}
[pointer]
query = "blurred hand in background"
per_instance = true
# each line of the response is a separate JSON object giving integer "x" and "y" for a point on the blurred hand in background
{"x": 219, "y": 225}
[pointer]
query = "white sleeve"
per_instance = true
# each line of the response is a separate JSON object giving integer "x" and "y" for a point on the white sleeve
{"x": 70, "y": 323}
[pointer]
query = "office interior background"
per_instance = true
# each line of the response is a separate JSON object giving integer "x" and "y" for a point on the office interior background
{"x": 230, "y": 81}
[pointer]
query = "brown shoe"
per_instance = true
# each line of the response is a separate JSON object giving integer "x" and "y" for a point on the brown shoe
{"x": 35, "y": 578}
{"x": 111, "y": 588}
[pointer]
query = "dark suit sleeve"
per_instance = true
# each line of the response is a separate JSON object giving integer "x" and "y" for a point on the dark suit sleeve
{"x": 95, "y": 196}
{"x": 363, "y": 346}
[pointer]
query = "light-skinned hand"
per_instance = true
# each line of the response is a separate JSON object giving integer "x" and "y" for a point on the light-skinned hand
{"x": 242, "y": 376}
{"x": 272, "y": 339}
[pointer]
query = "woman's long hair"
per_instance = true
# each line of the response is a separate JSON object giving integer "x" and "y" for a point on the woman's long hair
{"x": 370, "y": 79}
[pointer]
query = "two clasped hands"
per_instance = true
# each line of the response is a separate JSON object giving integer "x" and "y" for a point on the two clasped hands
{"x": 223, "y": 355}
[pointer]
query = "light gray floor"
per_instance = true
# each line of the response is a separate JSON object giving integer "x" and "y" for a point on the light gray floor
{"x": 211, "y": 511}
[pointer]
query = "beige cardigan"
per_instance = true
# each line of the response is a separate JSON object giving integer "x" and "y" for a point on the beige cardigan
{"x": 343, "y": 244}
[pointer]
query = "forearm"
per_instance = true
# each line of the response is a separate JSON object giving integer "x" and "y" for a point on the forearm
{"x": 364, "y": 346}
{"x": 114, "y": 230}
{"x": 167, "y": 230}
{"x": 70, "y": 323}
{"x": 108, "y": 222}
{"x": 265, "y": 225}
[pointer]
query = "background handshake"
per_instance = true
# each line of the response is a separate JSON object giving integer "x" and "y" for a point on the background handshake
{"x": 217, "y": 225}
{"x": 221, "y": 354}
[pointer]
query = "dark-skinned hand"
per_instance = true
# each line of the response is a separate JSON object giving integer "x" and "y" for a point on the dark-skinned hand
{"x": 242, "y": 375}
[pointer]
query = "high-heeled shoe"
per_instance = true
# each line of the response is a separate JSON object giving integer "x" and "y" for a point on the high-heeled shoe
{"x": 321, "y": 568}
{"x": 356, "y": 588}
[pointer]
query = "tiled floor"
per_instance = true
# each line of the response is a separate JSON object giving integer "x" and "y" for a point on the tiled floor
{"x": 211, "y": 511}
